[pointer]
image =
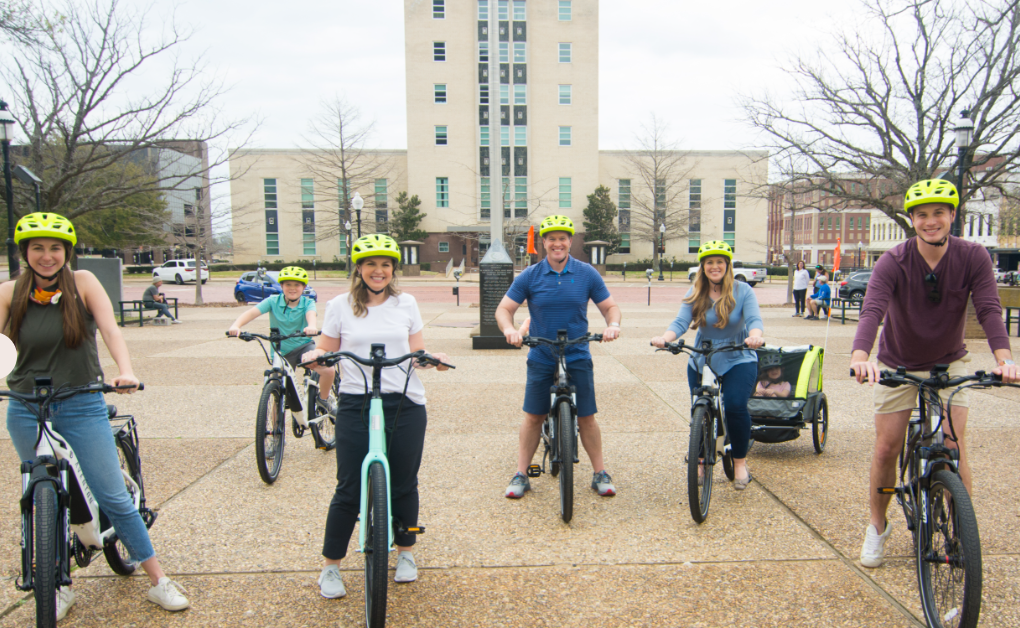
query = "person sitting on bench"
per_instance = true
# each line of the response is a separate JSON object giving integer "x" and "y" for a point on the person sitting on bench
{"x": 153, "y": 299}
{"x": 819, "y": 300}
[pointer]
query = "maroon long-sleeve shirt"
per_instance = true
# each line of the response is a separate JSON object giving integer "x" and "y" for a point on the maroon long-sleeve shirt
{"x": 919, "y": 334}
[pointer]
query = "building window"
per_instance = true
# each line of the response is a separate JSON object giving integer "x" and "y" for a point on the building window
{"x": 381, "y": 194}
{"x": 440, "y": 136}
{"x": 694, "y": 188}
{"x": 342, "y": 193}
{"x": 269, "y": 190}
{"x": 520, "y": 94}
{"x": 564, "y": 52}
{"x": 272, "y": 233}
{"x": 307, "y": 194}
{"x": 729, "y": 193}
{"x": 484, "y": 140}
{"x": 565, "y": 192}
{"x": 504, "y": 136}
{"x": 520, "y": 55}
{"x": 564, "y": 94}
{"x": 520, "y": 197}
{"x": 564, "y": 10}
{"x": 730, "y": 227}
{"x": 438, "y": 9}
{"x": 504, "y": 94}
{"x": 624, "y": 218}
{"x": 381, "y": 221}
{"x": 504, "y": 52}
{"x": 694, "y": 231}
{"x": 483, "y": 10}
{"x": 519, "y": 13}
{"x": 564, "y": 136}
{"x": 439, "y": 51}
{"x": 483, "y": 94}
{"x": 660, "y": 200}
{"x": 624, "y": 197}
{"x": 503, "y": 10}
{"x": 444, "y": 247}
{"x": 442, "y": 191}
{"x": 308, "y": 232}
{"x": 308, "y": 243}
{"x": 439, "y": 90}
{"x": 520, "y": 136}
{"x": 483, "y": 52}
{"x": 486, "y": 200}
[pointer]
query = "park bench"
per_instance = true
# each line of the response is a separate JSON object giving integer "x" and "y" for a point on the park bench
{"x": 139, "y": 306}
{"x": 842, "y": 305}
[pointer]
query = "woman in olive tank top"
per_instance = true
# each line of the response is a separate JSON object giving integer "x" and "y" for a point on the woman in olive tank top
{"x": 51, "y": 313}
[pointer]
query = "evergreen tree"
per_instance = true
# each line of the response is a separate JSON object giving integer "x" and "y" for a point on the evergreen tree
{"x": 600, "y": 219}
{"x": 405, "y": 220}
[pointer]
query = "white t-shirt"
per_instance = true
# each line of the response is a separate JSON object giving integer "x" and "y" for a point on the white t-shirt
{"x": 801, "y": 279}
{"x": 391, "y": 323}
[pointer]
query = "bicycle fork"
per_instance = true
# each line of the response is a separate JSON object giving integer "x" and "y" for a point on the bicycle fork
{"x": 376, "y": 453}
{"x": 28, "y": 484}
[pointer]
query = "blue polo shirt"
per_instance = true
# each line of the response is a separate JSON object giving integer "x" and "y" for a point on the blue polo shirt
{"x": 558, "y": 301}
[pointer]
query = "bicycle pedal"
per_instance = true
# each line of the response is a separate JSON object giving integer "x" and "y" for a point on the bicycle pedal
{"x": 887, "y": 490}
{"x": 416, "y": 530}
{"x": 534, "y": 471}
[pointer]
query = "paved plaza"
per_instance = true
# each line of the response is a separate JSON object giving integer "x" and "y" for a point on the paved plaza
{"x": 782, "y": 553}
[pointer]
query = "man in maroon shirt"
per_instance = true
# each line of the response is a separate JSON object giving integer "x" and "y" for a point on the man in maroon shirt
{"x": 921, "y": 288}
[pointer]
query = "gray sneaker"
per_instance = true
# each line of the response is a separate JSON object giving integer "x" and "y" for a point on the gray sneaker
{"x": 327, "y": 406}
{"x": 518, "y": 486}
{"x": 407, "y": 571}
{"x": 331, "y": 585}
{"x": 603, "y": 484}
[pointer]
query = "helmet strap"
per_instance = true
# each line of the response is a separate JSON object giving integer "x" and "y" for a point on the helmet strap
{"x": 44, "y": 277}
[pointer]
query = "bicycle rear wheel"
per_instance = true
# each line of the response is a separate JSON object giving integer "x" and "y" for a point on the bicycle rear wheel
{"x": 129, "y": 463}
{"x": 47, "y": 559}
{"x": 699, "y": 450}
{"x": 820, "y": 425}
{"x": 949, "y": 555}
{"x": 270, "y": 427}
{"x": 377, "y": 548}
{"x": 565, "y": 439}
{"x": 324, "y": 431}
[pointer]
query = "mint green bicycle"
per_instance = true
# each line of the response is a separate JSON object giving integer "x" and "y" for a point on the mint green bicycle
{"x": 376, "y": 532}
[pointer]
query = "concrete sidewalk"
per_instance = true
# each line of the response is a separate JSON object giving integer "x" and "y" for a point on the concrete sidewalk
{"x": 781, "y": 553}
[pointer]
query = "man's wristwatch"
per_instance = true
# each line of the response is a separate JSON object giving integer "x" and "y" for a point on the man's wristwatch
{"x": 1007, "y": 363}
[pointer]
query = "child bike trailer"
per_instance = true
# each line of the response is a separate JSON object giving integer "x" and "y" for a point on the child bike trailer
{"x": 788, "y": 396}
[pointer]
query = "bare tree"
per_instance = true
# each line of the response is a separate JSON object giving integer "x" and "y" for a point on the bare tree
{"x": 873, "y": 113}
{"x": 19, "y": 22}
{"x": 659, "y": 194}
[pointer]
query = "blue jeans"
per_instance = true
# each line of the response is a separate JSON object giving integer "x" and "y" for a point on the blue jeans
{"x": 163, "y": 308}
{"x": 737, "y": 387}
{"x": 82, "y": 421}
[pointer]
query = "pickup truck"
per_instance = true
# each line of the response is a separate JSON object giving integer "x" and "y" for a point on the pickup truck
{"x": 750, "y": 276}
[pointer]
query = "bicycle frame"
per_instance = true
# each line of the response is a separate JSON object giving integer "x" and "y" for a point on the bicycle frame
{"x": 281, "y": 369}
{"x": 376, "y": 452}
{"x": 561, "y": 392}
{"x": 710, "y": 394}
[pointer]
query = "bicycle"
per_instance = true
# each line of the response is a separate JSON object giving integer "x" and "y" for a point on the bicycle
{"x": 59, "y": 515}
{"x": 935, "y": 502}
{"x": 377, "y": 527}
{"x": 709, "y": 438}
{"x": 559, "y": 432}
{"x": 280, "y": 392}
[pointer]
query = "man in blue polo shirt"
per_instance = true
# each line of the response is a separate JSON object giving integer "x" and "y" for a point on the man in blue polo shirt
{"x": 557, "y": 290}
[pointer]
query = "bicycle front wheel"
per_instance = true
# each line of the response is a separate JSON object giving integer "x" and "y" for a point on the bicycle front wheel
{"x": 129, "y": 464}
{"x": 270, "y": 426}
{"x": 699, "y": 467}
{"x": 566, "y": 443}
{"x": 949, "y": 555}
{"x": 377, "y": 546}
{"x": 47, "y": 559}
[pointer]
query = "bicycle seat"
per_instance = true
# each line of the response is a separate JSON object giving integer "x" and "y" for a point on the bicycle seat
{"x": 111, "y": 411}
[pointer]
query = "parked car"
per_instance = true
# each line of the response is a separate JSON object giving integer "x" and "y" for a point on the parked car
{"x": 855, "y": 286}
{"x": 179, "y": 271}
{"x": 250, "y": 289}
{"x": 750, "y": 276}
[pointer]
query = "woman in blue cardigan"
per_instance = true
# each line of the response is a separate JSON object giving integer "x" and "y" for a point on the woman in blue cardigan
{"x": 723, "y": 312}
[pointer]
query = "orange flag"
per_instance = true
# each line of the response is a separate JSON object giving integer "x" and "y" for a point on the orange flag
{"x": 835, "y": 266}
{"x": 531, "y": 241}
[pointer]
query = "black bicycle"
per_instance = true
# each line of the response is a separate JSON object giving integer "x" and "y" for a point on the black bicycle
{"x": 709, "y": 440}
{"x": 559, "y": 432}
{"x": 935, "y": 502}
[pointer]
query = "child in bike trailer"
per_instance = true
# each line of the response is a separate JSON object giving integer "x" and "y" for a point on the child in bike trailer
{"x": 770, "y": 377}
{"x": 374, "y": 311}
{"x": 919, "y": 289}
{"x": 723, "y": 311}
{"x": 53, "y": 314}
{"x": 292, "y": 312}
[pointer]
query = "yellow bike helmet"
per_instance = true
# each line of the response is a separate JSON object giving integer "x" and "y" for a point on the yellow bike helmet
{"x": 293, "y": 273}
{"x": 556, "y": 223}
{"x": 931, "y": 191}
{"x": 715, "y": 247}
{"x": 372, "y": 245}
{"x": 45, "y": 225}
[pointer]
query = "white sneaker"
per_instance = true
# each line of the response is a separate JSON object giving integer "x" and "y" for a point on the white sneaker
{"x": 167, "y": 595}
{"x": 175, "y": 322}
{"x": 65, "y": 600}
{"x": 873, "y": 550}
{"x": 407, "y": 571}
{"x": 331, "y": 585}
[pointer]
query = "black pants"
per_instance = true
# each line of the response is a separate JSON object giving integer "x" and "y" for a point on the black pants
{"x": 798, "y": 300}
{"x": 405, "y": 440}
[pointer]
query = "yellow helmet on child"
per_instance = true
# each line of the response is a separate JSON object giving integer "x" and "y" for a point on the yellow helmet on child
{"x": 931, "y": 191}
{"x": 45, "y": 225}
{"x": 556, "y": 223}
{"x": 373, "y": 245}
{"x": 293, "y": 273}
{"x": 715, "y": 247}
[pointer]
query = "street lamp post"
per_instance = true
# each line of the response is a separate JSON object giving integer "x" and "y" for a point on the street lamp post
{"x": 860, "y": 245}
{"x": 964, "y": 136}
{"x": 27, "y": 177}
{"x": 357, "y": 203}
{"x": 6, "y": 129}
{"x": 662, "y": 248}
{"x": 347, "y": 238}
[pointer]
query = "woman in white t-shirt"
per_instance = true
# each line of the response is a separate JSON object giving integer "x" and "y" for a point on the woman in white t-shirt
{"x": 801, "y": 279}
{"x": 374, "y": 311}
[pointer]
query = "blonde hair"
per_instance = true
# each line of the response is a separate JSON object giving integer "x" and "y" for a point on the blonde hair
{"x": 359, "y": 291}
{"x": 701, "y": 300}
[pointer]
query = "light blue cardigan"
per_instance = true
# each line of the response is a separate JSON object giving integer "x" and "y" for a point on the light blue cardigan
{"x": 744, "y": 317}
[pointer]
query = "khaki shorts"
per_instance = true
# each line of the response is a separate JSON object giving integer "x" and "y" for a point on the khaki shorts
{"x": 889, "y": 400}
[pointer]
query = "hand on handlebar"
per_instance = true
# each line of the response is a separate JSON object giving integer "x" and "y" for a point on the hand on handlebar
{"x": 428, "y": 361}
{"x": 610, "y": 333}
{"x": 234, "y": 331}
{"x": 659, "y": 342}
{"x": 310, "y": 331}
{"x": 754, "y": 342}
{"x": 514, "y": 337}
{"x": 312, "y": 356}
{"x": 1009, "y": 373}
{"x": 126, "y": 380}
{"x": 865, "y": 371}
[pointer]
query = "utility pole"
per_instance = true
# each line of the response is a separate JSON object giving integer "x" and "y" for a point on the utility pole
{"x": 790, "y": 263}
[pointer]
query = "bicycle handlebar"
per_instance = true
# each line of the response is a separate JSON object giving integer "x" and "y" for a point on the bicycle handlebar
{"x": 534, "y": 341}
{"x": 330, "y": 359}
{"x": 938, "y": 381}
{"x": 707, "y": 348}
{"x": 56, "y": 394}
{"x": 248, "y": 336}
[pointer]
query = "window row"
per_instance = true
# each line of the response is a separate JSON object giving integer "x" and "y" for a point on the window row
{"x": 663, "y": 198}
{"x": 520, "y": 54}
{"x": 520, "y": 134}
{"x": 308, "y": 238}
{"x": 565, "y": 94}
{"x": 503, "y": 10}
{"x": 270, "y": 195}
{"x": 514, "y": 195}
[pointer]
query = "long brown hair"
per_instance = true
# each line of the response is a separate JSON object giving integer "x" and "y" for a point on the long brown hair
{"x": 359, "y": 291}
{"x": 70, "y": 305}
{"x": 701, "y": 300}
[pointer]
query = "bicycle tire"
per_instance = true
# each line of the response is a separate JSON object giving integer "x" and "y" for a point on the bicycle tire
{"x": 820, "y": 425}
{"x": 112, "y": 550}
{"x": 698, "y": 449}
{"x": 324, "y": 432}
{"x": 270, "y": 426}
{"x": 45, "y": 528}
{"x": 727, "y": 458}
{"x": 376, "y": 547}
{"x": 948, "y": 550}
{"x": 565, "y": 438}
{"x": 551, "y": 447}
